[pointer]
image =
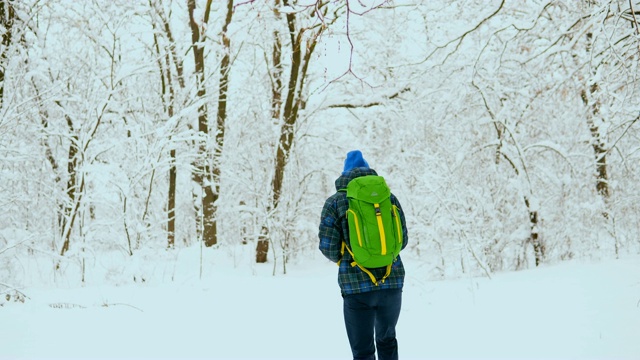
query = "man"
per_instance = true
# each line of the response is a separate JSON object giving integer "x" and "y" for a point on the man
{"x": 371, "y": 310}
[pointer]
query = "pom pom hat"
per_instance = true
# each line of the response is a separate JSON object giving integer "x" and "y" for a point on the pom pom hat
{"x": 354, "y": 160}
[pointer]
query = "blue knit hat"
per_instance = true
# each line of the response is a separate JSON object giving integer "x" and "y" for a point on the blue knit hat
{"x": 354, "y": 159}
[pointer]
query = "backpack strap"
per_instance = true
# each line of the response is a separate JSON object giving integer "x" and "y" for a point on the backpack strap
{"x": 364, "y": 269}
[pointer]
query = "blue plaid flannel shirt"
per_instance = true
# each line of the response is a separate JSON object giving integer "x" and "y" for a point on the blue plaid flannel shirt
{"x": 334, "y": 229}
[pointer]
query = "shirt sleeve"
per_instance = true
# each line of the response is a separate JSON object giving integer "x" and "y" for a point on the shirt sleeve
{"x": 329, "y": 232}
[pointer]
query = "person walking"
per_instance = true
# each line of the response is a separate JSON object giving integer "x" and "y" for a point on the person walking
{"x": 372, "y": 297}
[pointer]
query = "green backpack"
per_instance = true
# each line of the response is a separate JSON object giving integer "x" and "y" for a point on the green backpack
{"x": 375, "y": 228}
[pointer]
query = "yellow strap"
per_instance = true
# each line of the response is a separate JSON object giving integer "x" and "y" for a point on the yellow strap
{"x": 355, "y": 221}
{"x": 398, "y": 225}
{"x": 341, "y": 252}
{"x": 366, "y": 271}
{"x": 373, "y": 278}
{"x": 386, "y": 275}
{"x": 383, "y": 240}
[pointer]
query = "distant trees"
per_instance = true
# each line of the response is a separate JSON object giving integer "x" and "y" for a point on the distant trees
{"x": 609, "y": 93}
{"x": 611, "y": 49}
{"x": 504, "y": 82}
{"x": 510, "y": 131}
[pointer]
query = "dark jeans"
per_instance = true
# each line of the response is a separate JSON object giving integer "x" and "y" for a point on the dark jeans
{"x": 368, "y": 312}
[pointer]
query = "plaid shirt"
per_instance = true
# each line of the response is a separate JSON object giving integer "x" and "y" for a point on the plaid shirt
{"x": 334, "y": 230}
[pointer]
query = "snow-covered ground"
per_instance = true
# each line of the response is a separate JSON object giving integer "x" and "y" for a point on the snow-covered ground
{"x": 575, "y": 310}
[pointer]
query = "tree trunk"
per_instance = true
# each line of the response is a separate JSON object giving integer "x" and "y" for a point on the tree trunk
{"x": 171, "y": 201}
{"x": 538, "y": 246}
{"x": 221, "y": 116}
{"x": 589, "y": 98}
{"x": 71, "y": 202}
{"x": 74, "y": 192}
{"x": 7, "y": 17}
{"x": 276, "y": 76}
{"x": 597, "y": 142}
{"x": 53, "y": 162}
{"x": 168, "y": 87}
{"x": 262, "y": 247}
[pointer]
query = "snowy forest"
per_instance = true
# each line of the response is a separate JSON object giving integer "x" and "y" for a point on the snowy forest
{"x": 132, "y": 131}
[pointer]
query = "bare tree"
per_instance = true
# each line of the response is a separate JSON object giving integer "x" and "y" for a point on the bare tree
{"x": 171, "y": 69}
{"x": 202, "y": 172}
{"x": 601, "y": 44}
{"x": 207, "y": 173}
{"x": 83, "y": 120}
{"x": 221, "y": 117}
{"x": 303, "y": 40}
{"x": 508, "y": 147}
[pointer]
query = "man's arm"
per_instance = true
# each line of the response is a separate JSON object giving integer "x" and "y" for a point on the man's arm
{"x": 329, "y": 233}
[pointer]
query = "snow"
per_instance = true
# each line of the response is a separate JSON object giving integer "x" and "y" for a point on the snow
{"x": 574, "y": 310}
{"x": 231, "y": 308}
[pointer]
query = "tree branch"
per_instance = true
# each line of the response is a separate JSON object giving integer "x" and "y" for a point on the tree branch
{"x": 368, "y": 105}
{"x": 631, "y": 16}
{"x": 14, "y": 289}
{"x": 13, "y": 246}
{"x": 461, "y": 38}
